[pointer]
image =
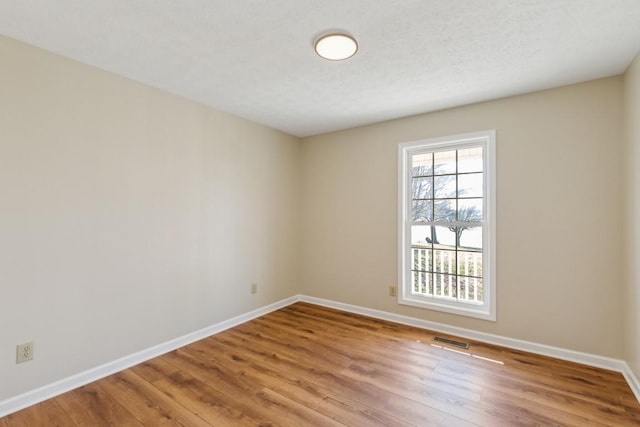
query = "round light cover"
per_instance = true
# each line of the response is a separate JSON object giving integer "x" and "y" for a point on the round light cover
{"x": 336, "y": 47}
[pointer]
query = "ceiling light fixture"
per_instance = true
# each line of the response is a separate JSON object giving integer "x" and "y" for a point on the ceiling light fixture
{"x": 336, "y": 47}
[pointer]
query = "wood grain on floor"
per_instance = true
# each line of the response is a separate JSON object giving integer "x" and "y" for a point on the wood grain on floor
{"x": 306, "y": 365}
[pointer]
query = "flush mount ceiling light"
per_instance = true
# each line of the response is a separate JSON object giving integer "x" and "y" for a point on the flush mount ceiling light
{"x": 336, "y": 47}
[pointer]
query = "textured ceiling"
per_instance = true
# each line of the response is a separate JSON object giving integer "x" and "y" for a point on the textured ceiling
{"x": 254, "y": 58}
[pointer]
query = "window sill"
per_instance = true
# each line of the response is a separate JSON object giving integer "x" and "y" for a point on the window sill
{"x": 479, "y": 312}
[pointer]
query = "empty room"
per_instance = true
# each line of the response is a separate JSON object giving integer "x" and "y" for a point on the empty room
{"x": 319, "y": 213}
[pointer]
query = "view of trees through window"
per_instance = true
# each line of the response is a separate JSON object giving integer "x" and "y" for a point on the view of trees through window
{"x": 446, "y": 224}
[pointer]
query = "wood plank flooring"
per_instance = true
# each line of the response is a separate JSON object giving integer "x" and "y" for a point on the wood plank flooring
{"x": 306, "y": 365}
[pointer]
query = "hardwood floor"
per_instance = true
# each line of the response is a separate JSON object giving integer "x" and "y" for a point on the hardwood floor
{"x": 306, "y": 365}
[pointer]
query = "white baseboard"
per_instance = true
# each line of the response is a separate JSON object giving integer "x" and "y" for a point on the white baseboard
{"x": 632, "y": 380}
{"x": 531, "y": 347}
{"x": 48, "y": 391}
{"x": 38, "y": 395}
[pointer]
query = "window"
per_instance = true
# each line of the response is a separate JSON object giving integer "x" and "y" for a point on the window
{"x": 447, "y": 224}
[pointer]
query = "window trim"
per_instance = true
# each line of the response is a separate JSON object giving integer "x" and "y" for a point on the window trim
{"x": 486, "y": 311}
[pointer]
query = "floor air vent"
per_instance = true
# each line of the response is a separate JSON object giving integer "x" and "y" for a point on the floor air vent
{"x": 459, "y": 344}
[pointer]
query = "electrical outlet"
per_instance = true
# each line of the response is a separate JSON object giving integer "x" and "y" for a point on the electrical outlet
{"x": 393, "y": 291}
{"x": 24, "y": 352}
{"x": 254, "y": 288}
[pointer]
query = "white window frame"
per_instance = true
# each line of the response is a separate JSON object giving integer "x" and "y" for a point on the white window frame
{"x": 487, "y": 138}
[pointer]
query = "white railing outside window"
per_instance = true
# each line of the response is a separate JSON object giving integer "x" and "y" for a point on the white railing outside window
{"x": 436, "y": 273}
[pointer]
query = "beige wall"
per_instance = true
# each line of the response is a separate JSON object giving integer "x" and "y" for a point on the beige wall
{"x": 128, "y": 216}
{"x": 559, "y": 211}
{"x": 632, "y": 282}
